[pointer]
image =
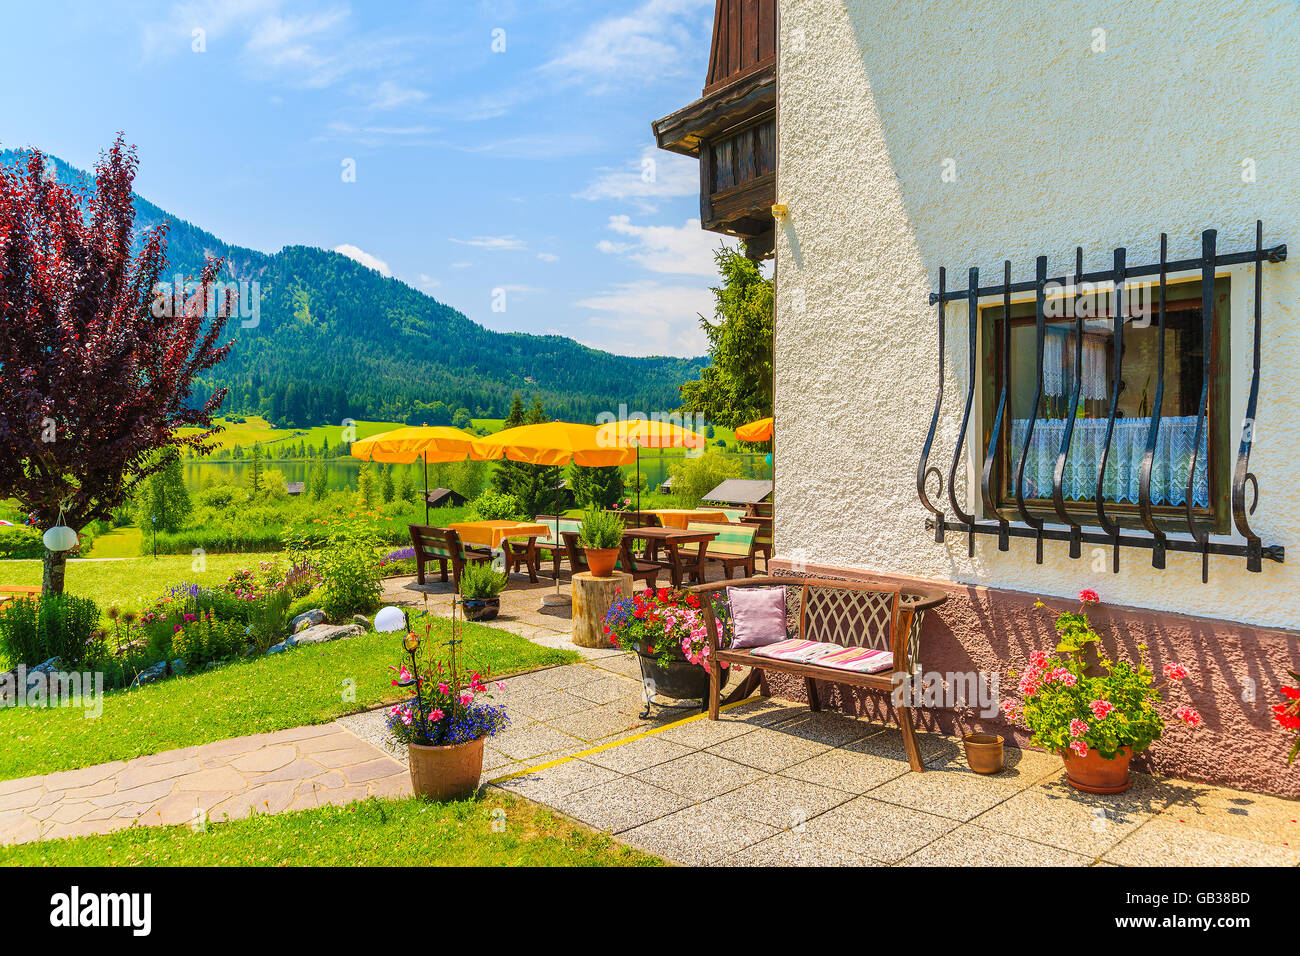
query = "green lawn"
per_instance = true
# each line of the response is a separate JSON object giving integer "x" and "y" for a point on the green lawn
{"x": 307, "y": 685}
{"x": 118, "y": 543}
{"x": 495, "y": 831}
{"x": 133, "y": 584}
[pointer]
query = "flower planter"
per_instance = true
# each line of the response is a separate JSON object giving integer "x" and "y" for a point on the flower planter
{"x": 481, "y": 609}
{"x": 1095, "y": 774}
{"x": 679, "y": 680}
{"x": 446, "y": 773}
{"x": 601, "y": 561}
{"x": 984, "y": 752}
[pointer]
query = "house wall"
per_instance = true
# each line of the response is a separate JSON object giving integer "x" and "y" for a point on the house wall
{"x": 1053, "y": 145}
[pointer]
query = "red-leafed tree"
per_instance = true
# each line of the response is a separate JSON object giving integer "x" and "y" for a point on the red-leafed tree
{"x": 97, "y": 358}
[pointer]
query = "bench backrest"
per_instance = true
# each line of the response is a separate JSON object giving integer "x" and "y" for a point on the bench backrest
{"x": 639, "y": 519}
{"x": 733, "y": 540}
{"x": 734, "y": 514}
{"x": 761, "y": 509}
{"x": 432, "y": 542}
{"x": 763, "y": 536}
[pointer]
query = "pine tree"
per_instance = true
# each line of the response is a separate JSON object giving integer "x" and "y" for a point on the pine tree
{"x": 604, "y": 486}
{"x": 386, "y": 487}
{"x": 165, "y": 498}
{"x": 366, "y": 486}
{"x": 506, "y": 474}
{"x": 255, "y": 468}
{"x": 318, "y": 482}
{"x": 405, "y": 486}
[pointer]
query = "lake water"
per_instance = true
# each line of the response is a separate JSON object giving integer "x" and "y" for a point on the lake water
{"x": 343, "y": 473}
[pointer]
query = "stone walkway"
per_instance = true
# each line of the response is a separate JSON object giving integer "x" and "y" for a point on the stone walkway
{"x": 265, "y": 773}
{"x": 769, "y": 783}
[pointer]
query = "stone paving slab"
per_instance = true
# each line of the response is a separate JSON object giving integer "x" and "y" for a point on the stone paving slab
{"x": 263, "y": 773}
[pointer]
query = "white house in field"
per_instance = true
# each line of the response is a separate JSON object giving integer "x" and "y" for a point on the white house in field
{"x": 1019, "y": 245}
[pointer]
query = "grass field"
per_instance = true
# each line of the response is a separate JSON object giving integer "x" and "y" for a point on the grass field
{"x": 497, "y": 830}
{"x": 307, "y": 685}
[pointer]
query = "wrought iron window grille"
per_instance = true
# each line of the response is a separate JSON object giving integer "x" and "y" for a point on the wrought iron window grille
{"x": 1200, "y": 541}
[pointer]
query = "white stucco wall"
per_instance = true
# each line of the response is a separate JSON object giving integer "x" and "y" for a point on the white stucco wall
{"x": 1055, "y": 145}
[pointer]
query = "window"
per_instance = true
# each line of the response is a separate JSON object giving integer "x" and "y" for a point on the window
{"x": 1184, "y": 354}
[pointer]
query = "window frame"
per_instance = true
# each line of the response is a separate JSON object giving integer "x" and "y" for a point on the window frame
{"x": 1170, "y": 519}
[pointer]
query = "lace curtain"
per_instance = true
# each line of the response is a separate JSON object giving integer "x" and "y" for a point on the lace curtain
{"x": 1123, "y": 466}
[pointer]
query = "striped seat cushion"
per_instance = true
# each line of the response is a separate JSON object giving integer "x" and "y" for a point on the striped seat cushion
{"x": 863, "y": 660}
{"x": 733, "y": 540}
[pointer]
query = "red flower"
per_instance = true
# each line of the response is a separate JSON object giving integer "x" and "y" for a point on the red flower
{"x": 1175, "y": 671}
{"x": 1286, "y": 717}
{"x": 1188, "y": 716}
{"x": 1088, "y": 596}
{"x": 1291, "y": 693}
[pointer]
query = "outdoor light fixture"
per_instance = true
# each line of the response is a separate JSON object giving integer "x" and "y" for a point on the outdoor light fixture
{"x": 390, "y": 620}
{"x": 411, "y": 643}
{"x": 779, "y": 210}
{"x": 60, "y": 537}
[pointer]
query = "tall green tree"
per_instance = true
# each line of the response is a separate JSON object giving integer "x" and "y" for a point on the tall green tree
{"x": 506, "y": 474}
{"x": 255, "y": 468}
{"x": 318, "y": 480}
{"x": 387, "y": 488}
{"x": 165, "y": 502}
{"x": 736, "y": 387}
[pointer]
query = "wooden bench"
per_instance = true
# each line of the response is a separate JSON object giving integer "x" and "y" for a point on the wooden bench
{"x": 444, "y": 546}
{"x": 9, "y": 592}
{"x": 733, "y": 546}
{"x": 848, "y": 614}
{"x": 762, "y": 538}
{"x": 627, "y": 561}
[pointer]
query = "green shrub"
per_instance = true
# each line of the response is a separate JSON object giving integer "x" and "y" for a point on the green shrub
{"x": 601, "y": 530}
{"x": 349, "y": 567}
{"x": 694, "y": 478}
{"x": 205, "y": 639}
{"x": 21, "y": 541}
{"x": 58, "y": 625}
{"x": 496, "y": 506}
{"x": 478, "y": 582}
{"x": 268, "y": 621}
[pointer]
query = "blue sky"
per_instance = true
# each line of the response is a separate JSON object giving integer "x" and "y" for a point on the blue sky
{"x": 528, "y": 168}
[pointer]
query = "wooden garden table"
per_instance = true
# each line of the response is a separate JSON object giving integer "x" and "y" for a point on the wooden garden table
{"x": 682, "y": 517}
{"x": 679, "y": 563}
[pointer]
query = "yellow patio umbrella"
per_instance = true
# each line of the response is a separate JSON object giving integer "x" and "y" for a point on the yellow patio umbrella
{"x": 641, "y": 433}
{"x": 436, "y": 443}
{"x": 553, "y": 443}
{"x": 760, "y": 430}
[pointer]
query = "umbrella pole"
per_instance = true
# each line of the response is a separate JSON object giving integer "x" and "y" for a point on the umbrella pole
{"x": 638, "y": 479}
{"x": 426, "y": 489}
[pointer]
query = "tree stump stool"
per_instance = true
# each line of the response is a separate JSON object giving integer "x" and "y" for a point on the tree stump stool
{"x": 592, "y": 597}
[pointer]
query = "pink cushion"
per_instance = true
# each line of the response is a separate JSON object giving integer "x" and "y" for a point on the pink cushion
{"x": 757, "y": 615}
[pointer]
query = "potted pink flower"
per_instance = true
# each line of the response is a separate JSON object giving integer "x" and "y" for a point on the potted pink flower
{"x": 1095, "y": 714}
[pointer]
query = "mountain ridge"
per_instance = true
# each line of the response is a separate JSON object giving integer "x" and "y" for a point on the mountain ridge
{"x": 336, "y": 339}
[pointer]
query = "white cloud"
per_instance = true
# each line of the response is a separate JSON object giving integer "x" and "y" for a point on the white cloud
{"x": 655, "y": 175}
{"x": 659, "y": 37}
{"x": 548, "y": 257}
{"x": 428, "y": 283}
{"x": 684, "y": 250}
{"x": 494, "y": 243}
{"x": 389, "y": 95}
{"x": 365, "y": 258}
{"x": 648, "y": 318}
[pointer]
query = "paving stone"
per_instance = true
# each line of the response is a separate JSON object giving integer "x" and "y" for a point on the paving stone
{"x": 1086, "y": 824}
{"x": 619, "y": 805}
{"x": 973, "y": 845}
{"x": 533, "y": 741}
{"x": 697, "y": 835}
{"x": 265, "y": 759}
{"x": 71, "y": 779}
{"x": 780, "y": 802}
{"x": 768, "y": 749}
{"x": 598, "y": 722}
{"x": 639, "y": 754}
{"x": 699, "y": 776}
{"x": 549, "y": 705}
{"x": 958, "y": 796}
{"x": 147, "y": 794}
{"x": 1251, "y": 816}
{"x": 796, "y": 848}
{"x": 607, "y": 690}
{"x": 563, "y": 678}
{"x": 702, "y": 732}
{"x": 551, "y": 783}
{"x": 878, "y": 830}
{"x": 334, "y": 759}
{"x": 829, "y": 728}
{"x": 1021, "y": 768}
{"x": 226, "y": 778}
{"x": 136, "y": 776}
{"x": 370, "y": 770}
{"x": 935, "y": 749}
{"x": 847, "y": 770}
{"x": 1164, "y": 843}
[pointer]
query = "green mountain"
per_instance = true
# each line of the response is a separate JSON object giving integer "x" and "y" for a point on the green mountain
{"x": 337, "y": 340}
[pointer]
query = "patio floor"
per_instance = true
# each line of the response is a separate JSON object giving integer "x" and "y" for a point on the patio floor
{"x": 769, "y": 783}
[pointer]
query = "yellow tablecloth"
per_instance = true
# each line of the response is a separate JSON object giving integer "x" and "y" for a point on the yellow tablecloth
{"x": 681, "y": 517}
{"x": 492, "y": 534}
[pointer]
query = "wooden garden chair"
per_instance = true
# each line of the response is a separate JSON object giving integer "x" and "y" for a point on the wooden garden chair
{"x": 733, "y": 546}
{"x": 445, "y": 547}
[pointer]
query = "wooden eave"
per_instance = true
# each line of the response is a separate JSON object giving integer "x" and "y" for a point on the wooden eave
{"x": 744, "y": 99}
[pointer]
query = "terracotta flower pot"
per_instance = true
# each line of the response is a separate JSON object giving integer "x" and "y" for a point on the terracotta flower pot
{"x": 984, "y": 752}
{"x": 446, "y": 773}
{"x": 601, "y": 561}
{"x": 1095, "y": 774}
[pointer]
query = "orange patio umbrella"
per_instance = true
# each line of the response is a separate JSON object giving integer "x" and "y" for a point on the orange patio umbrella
{"x": 437, "y": 443}
{"x": 760, "y": 430}
{"x": 641, "y": 433}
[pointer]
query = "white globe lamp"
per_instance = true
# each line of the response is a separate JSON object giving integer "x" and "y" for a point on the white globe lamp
{"x": 390, "y": 619}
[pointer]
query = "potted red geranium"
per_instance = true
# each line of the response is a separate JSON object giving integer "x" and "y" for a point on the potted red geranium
{"x": 1288, "y": 714}
{"x": 1096, "y": 715}
{"x": 666, "y": 629}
